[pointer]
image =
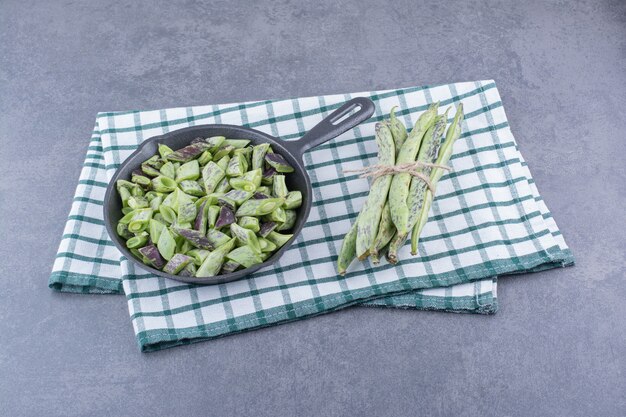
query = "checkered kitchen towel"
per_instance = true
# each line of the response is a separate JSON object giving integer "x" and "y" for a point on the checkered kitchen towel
{"x": 487, "y": 220}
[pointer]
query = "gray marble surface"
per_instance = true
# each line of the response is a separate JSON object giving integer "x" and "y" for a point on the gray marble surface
{"x": 556, "y": 347}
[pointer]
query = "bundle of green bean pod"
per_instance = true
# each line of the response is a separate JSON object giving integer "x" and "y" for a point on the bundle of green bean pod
{"x": 213, "y": 207}
{"x": 401, "y": 204}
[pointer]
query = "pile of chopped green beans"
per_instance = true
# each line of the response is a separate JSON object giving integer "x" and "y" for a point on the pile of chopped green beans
{"x": 213, "y": 207}
{"x": 399, "y": 203}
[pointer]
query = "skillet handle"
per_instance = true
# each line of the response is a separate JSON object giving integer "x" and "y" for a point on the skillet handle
{"x": 332, "y": 126}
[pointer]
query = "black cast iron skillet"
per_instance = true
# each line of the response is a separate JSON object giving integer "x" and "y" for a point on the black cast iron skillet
{"x": 341, "y": 120}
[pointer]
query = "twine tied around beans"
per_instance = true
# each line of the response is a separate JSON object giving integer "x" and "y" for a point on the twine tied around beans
{"x": 412, "y": 168}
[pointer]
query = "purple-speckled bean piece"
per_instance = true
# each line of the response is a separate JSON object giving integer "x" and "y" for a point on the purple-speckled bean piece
{"x": 196, "y": 238}
{"x": 278, "y": 162}
{"x": 152, "y": 253}
{"x": 225, "y": 218}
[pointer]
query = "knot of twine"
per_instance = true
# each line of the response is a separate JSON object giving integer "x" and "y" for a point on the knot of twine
{"x": 412, "y": 168}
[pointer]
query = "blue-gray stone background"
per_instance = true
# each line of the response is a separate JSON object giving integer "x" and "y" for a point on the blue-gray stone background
{"x": 556, "y": 347}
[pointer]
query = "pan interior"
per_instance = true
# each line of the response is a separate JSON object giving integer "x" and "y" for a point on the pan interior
{"x": 297, "y": 180}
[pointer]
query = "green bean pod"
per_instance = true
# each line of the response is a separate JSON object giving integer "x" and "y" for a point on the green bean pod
{"x": 186, "y": 207}
{"x": 229, "y": 266}
{"x": 398, "y": 130}
{"x": 122, "y": 230}
{"x": 347, "y": 253}
{"x": 137, "y": 241}
{"x": 124, "y": 195}
{"x": 223, "y": 162}
{"x": 168, "y": 213}
{"x": 399, "y": 190}
{"x": 189, "y": 271}
{"x": 386, "y": 230}
{"x": 137, "y": 202}
{"x": 427, "y": 153}
{"x": 453, "y": 133}
{"x": 373, "y": 207}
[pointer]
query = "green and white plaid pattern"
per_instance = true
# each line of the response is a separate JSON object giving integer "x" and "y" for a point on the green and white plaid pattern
{"x": 487, "y": 220}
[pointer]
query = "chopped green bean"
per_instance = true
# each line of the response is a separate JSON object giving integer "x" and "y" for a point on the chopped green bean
{"x": 289, "y": 222}
{"x": 279, "y": 186}
{"x": 205, "y": 158}
{"x": 213, "y": 262}
{"x": 177, "y": 263}
{"x": 155, "y": 227}
{"x": 277, "y": 215}
{"x": 258, "y": 155}
{"x": 245, "y": 237}
{"x": 191, "y": 188}
{"x": 164, "y": 150}
{"x": 217, "y": 238}
{"x": 166, "y": 244}
{"x": 188, "y": 153}
{"x": 188, "y": 171}
{"x": 163, "y": 184}
{"x": 238, "y": 143}
{"x": 237, "y": 166}
{"x": 293, "y": 200}
{"x": 259, "y": 207}
{"x": 212, "y": 174}
{"x": 168, "y": 170}
{"x": 248, "y": 222}
{"x": 245, "y": 256}
{"x": 215, "y": 142}
{"x": 278, "y": 239}
{"x": 240, "y": 183}
{"x": 139, "y": 221}
{"x": 212, "y": 213}
{"x": 266, "y": 245}
{"x": 277, "y": 162}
